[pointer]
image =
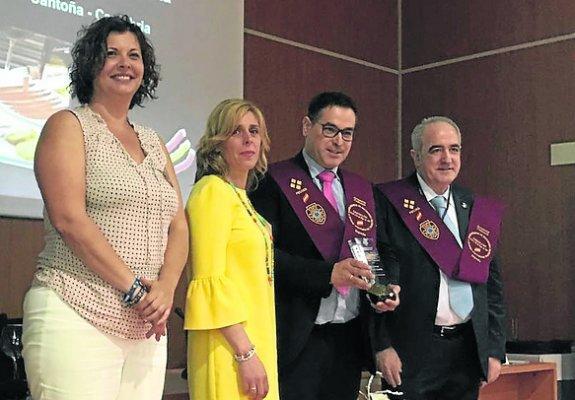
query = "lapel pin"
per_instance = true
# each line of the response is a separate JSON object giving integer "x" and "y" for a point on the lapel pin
{"x": 463, "y": 204}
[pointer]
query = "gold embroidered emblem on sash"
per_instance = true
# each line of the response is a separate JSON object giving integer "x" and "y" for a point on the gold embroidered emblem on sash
{"x": 429, "y": 229}
{"x": 479, "y": 244}
{"x": 316, "y": 213}
{"x": 413, "y": 209}
{"x": 359, "y": 217}
{"x": 295, "y": 184}
{"x": 299, "y": 188}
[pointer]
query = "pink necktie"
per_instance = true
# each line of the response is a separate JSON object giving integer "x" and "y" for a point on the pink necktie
{"x": 326, "y": 177}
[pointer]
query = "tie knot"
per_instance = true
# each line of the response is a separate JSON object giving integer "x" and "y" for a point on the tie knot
{"x": 326, "y": 176}
{"x": 439, "y": 203}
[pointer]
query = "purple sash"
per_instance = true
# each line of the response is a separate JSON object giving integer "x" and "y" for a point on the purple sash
{"x": 320, "y": 220}
{"x": 470, "y": 263}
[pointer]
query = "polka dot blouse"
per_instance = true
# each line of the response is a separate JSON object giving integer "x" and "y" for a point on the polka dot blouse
{"x": 133, "y": 205}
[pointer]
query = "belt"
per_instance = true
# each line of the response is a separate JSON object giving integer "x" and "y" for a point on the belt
{"x": 354, "y": 320}
{"x": 450, "y": 331}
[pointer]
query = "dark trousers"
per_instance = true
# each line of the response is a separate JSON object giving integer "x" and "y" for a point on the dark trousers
{"x": 450, "y": 369}
{"x": 329, "y": 366}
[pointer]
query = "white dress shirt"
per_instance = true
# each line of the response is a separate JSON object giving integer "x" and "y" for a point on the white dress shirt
{"x": 445, "y": 315}
{"x": 335, "y": 308}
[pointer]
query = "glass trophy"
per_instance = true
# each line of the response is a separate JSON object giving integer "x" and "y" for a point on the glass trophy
{"x": 365, "y": 250}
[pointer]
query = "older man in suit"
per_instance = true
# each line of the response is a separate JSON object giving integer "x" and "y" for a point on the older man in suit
{"x": 448, "y": 334}
{"x": 315, "y": 207}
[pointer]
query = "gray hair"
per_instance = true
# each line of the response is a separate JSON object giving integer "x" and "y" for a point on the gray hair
{"x": 417, "y": 133}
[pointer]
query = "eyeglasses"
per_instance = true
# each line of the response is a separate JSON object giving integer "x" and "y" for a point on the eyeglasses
{"x": 331, "y": 131}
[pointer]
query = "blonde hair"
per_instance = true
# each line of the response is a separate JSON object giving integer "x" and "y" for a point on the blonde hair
{"x": 222, "y": 122}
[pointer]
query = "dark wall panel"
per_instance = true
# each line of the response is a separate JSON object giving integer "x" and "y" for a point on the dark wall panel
{"x": 20, "y": 242}
{"x": 282, "y": 79}
{"x": 438, "y": 30}
{"x": 177, "y": 356}
{"x": 366, "y": 30}
{"x": 511, "y": 107}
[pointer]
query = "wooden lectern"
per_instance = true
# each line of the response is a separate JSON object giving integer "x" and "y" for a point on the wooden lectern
{"x": 532, "y": 381}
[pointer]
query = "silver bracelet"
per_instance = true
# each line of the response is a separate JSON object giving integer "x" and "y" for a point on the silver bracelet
{"x": 246, "y": 356}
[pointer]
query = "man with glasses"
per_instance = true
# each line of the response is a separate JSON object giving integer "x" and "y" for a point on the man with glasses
{"x": 314, "y": 208}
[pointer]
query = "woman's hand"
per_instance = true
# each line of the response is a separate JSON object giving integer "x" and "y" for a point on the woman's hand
{"x": 156, "y": 305}
{"x": 252, "y": 373}
{"x": 159, "y": 330}
{"x": 253, "y": 378}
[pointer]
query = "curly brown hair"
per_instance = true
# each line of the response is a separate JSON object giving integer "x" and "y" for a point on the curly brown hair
{"x": 89, "y": 54}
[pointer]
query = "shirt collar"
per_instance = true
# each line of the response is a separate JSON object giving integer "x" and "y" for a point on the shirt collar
{"x": 428, "y": 192}
{"x": 314, "y": 168}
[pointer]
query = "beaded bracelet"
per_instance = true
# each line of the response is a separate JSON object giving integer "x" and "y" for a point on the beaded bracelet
{"x": 246, "y": 356}
{"x": 138, "y": 296}
{"x": 135, "y": 293}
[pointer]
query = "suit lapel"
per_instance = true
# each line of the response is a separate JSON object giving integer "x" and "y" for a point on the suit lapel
{"x": 463, "y": 204}
{"x": 300, "y": 161}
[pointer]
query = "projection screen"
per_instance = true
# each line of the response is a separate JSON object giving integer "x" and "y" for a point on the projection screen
{"x": 199, "y": 44}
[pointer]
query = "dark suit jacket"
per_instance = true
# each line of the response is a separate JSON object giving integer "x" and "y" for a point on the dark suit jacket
{"x": 302, "y": 276}
{"x": 408, "y": 329}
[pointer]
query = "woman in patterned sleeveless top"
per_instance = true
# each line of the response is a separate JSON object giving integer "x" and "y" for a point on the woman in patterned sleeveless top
{"x": 116, "y": 235}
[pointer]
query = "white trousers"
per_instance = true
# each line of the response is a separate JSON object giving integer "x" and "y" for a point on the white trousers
{"x": 67, "y": 358}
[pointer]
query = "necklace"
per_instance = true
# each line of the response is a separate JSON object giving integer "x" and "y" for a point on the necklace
{"x": 264, "y": 229}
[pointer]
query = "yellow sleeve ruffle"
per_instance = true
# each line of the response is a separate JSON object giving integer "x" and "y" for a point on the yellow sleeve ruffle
{"x": 213, "y": 303}
{"x": 213, "y": 300}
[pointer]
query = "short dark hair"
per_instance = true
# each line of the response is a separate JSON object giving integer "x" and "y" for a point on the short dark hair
{"x": 89, "y": 54}
{"x": 329, "y": 99}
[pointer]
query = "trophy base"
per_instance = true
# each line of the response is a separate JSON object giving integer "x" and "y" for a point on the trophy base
{"x": 379, "y": 292}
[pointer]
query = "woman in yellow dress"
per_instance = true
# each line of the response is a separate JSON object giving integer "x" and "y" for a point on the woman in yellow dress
{"x": 230, "y": 315}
